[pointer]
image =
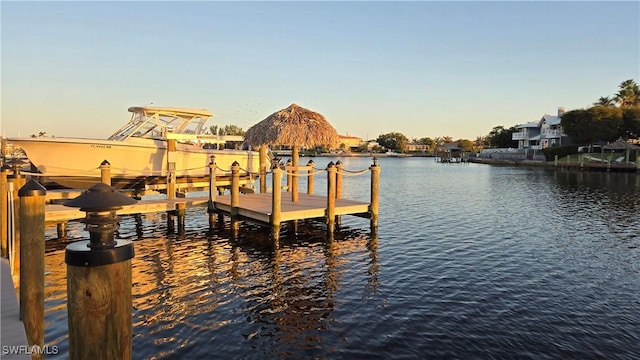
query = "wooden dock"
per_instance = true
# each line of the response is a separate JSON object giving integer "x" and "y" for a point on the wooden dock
{"x": 13, "y": 333}
{"x": 271, "y": 208}
{"x": 265, "y": 207}
{"x": 599, "y": 166}
{"x": 258, "y": 207}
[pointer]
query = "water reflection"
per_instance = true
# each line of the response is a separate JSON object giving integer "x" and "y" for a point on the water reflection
{"x": 197, "y": 291}
{"x": 290, "y": 307}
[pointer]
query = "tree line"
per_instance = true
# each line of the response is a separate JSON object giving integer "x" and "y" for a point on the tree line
{"x": 608, "y": 119}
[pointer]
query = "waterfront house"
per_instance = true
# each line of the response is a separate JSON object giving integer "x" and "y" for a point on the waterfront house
{"x": 351, "y": 143}
{"x": 541, "y": 134}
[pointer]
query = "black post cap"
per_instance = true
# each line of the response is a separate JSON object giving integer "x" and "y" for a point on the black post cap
{"x": 32, "y": 188}
{"x": 100, "y": 197}
{"x": 80, "y": 253}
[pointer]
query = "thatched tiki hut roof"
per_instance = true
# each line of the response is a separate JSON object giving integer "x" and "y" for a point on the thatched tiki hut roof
{"x": 294, "y": 126}
{"x": 620, "y": 145}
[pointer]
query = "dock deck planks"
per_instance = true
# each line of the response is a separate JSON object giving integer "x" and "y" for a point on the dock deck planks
{"x": 12, "y": 329}
{"x": 258, "y": 206}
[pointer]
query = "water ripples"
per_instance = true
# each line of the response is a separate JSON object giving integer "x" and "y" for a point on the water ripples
{"x": 469, "y": 261}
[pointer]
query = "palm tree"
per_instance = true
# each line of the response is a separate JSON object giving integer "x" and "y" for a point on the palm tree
{"x": 629, "y": 94}
{"x": 604, "y": 101}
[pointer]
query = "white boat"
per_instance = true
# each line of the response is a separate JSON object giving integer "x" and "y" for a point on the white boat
{"x": 138, "y": 152}
{"x": 391, "y": 153}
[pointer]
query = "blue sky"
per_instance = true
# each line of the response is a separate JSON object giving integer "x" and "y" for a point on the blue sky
{"x": 424, "y": 69}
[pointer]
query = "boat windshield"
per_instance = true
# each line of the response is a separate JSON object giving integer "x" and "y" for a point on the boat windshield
{"x": 155, "y": 123}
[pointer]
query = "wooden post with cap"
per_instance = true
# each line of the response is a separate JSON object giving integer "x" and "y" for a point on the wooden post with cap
{"x": 286, "y": 169}
{"x": 294, "y": 174}
{"x": 99, "y": 303}
{"x": 15, "y": 182}
{"x": 276, "y": 200}
{"x": 375, "y": 186}
{"x": 105, "y": 172}
{"x": 171, "y": 168}
{"x": 339, "y": 168}
{"x": 263, "y": 168}
{"x": 310, "y": 177}
{"x": 32, "y": 204}
{"x": 331, "y": 197}
{"x": 235, "y": 195}
{"x": 171, "y": 181}
{"x": 211, "y": 209}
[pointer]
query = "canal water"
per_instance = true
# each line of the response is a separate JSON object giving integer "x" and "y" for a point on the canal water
{"x": 469, "y": 261}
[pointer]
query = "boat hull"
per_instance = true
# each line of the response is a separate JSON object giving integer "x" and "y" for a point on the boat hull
{"x": 76, "y": 162}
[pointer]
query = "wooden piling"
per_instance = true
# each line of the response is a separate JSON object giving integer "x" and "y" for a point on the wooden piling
{"x": 15, "y": 182}
{"x": 339, "y": 168}
{"x": 235, "y": 194}
{"x": 331, "y": 197}
{"x": 294, "y": 174}
{"x": 100, "y": 311}
{"x": 211, "y": 210}
{"x": 171, "y": 168}
{"x": 276, "y": 201}
{"x": 181, "y": 211}
{"x": 310, "y": 177}
{"x": 171, "y": 181}
{"x": 105, "y": 172}
{"x": 289, "y": 180}
{"x": 61, "y": 230}
{"x": 375, "y": 186}
{"x": 32, "y": 204}
{"x": 171, "y": 221}
{"x": 3, "y": 213}
{"x": 263, "y": 168}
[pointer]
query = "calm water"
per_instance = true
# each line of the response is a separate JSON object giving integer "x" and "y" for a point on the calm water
{"x": 470, "y": 261}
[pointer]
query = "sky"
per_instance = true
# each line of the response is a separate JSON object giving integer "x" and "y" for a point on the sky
{"x": 420, "y": 68}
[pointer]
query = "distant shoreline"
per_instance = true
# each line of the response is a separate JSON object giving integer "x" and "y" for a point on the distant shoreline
{"x": 378, "y": 155}
{"x": 586, "y": 166}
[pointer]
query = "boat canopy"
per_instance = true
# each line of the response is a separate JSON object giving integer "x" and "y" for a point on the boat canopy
{"x": 156, "y": 122}
{"x": 183, "y": 111}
